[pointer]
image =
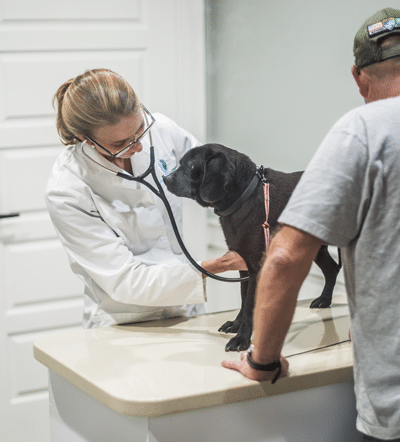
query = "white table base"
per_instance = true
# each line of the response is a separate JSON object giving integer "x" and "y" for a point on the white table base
{"x": 323, "y": 414}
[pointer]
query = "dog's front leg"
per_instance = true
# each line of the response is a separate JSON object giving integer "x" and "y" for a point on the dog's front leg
{"x": 233, "y": 326}
{"x": 242, "y": 340}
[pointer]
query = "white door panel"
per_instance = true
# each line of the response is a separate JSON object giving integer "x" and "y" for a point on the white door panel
{"x": 27, "y": 393}
{"x": 25, "y": 382}
{"x": 27, "y": 132}
{"x": 157, "y": 46}
{"x": 69, "y": 10}
{"x": 23, "y": 176}
{"x": 26, "y": 227}
{"x": 47, "y": 71}
{"x": 131, "y": 45}
{"x": 51, "y": 315}
{"x": 26, "y": 285}
{"x": 28, "y": 419}
{"x": 68, "y": 35}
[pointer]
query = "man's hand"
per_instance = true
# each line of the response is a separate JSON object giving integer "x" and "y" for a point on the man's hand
{"x": 243, "y": 367}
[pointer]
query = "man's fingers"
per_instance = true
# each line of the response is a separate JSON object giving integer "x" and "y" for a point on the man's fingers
{"x": 232, "y": 365}
{"x": 285, "y": 366}
{"x": 235, "y": 365}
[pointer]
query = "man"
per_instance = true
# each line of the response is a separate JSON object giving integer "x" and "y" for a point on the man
{"x": 349, "y": 197}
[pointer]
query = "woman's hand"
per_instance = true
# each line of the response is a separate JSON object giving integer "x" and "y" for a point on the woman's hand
{"x": 233, "y": 261}
{"x": 230, "y": 261}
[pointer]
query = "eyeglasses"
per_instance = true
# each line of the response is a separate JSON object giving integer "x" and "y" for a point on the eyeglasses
{"x": 146, "y": 115}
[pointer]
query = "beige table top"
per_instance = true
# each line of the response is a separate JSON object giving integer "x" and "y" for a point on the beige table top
{"x": 161, "y": 367}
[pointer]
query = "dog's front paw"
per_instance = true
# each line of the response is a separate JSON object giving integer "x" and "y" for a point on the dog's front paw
{"x": 238, "y": 343}
{"x": 320, "y": 302}
{"x": 230, "y": 327}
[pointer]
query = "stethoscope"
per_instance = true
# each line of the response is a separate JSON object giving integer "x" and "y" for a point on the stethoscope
{"x": 159, "y": 191}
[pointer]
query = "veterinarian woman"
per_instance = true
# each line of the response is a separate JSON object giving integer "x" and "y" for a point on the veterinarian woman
{"x": 117, "y": 233}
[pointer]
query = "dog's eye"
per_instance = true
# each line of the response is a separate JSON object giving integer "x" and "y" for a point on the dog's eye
{"x": 196, "y": 172}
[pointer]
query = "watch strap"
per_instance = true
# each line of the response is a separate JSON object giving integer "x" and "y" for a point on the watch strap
{"x": 276, "y": 365}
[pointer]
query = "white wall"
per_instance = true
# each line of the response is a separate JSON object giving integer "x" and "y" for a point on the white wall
{"x": 278, "y": 77}
{"x": 279, "y": 74}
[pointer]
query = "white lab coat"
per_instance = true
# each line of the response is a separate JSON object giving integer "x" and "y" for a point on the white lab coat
{"x": 118, "y": 235}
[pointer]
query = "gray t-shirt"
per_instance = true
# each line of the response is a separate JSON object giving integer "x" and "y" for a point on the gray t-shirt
{"x": 349, "y": 196}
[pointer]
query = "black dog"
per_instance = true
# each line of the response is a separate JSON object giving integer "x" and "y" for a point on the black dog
{"x": 217, "y": 176}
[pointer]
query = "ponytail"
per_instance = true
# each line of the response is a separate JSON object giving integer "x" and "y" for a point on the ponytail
{"x": 67, "y": 137}
{"x": 96, "y": 98}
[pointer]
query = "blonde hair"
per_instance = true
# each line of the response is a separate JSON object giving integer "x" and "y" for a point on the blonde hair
{"x": 96, "y": 98}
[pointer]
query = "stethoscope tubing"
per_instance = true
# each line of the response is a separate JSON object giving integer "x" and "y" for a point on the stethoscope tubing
{"x": 161, "y": 194}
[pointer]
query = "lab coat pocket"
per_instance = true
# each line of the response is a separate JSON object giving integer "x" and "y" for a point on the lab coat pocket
{"x": 134, "y": 217}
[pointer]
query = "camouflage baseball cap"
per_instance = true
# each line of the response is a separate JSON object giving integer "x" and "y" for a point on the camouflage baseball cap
{"x": 366, "y": 48}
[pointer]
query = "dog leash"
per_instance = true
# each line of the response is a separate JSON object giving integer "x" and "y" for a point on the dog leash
{"x": 261, "y": 175}
{"x": 265, "y": 224}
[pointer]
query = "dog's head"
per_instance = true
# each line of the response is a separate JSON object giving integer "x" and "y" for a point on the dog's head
{"x": 206, "y": 174}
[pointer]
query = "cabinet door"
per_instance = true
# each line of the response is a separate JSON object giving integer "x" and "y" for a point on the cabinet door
{"x": 157, "y": 45}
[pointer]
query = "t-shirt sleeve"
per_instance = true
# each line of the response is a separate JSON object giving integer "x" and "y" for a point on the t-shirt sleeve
{"x": 333, "y": 194}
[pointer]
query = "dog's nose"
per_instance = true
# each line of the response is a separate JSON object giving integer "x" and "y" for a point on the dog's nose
{"x": 167, "y": 180}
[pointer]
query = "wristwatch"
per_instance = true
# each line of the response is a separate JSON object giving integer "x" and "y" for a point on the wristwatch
{"x": 276, "y": 365}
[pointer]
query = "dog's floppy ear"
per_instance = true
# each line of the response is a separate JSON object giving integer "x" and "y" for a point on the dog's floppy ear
{"x": 216, "y": 175}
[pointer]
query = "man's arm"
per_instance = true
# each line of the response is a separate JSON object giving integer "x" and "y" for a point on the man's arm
{"x": 288, "y": 262}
